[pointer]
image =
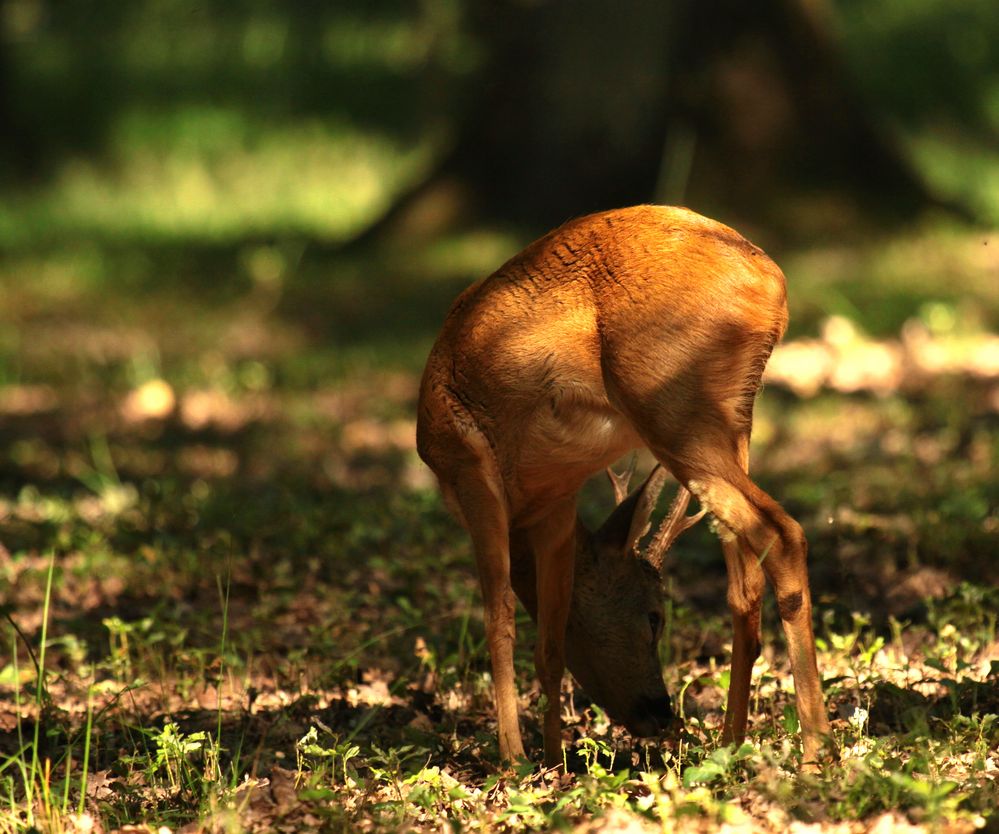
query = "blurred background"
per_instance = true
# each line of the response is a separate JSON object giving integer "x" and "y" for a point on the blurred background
{"x": 164, "y": 154}
{"x": 167, "y": 145}
{"x": 230, "y": 230}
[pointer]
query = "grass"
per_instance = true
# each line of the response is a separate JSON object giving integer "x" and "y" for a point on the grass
{"x": 251, "y": 610}
{"x": 233, "y": 599}
{"x": 197, "y": 175}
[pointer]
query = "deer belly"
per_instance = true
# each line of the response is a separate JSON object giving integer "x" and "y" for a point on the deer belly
{"x": 574, "y": 436}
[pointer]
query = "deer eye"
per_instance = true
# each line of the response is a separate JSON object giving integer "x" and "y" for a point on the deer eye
{"x": 656, "y": 624}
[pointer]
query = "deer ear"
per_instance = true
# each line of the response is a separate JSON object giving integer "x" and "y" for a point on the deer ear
{"x": 630, "y": 521}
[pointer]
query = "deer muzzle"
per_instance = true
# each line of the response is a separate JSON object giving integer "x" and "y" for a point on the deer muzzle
{"x": 651, "y": 717}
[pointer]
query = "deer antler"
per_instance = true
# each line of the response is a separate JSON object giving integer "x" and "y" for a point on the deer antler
{"x": 620, "y": 482}
{"x": 675, "y": 522}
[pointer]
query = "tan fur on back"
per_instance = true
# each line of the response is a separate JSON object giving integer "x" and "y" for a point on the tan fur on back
{"x": 537, "y": 351}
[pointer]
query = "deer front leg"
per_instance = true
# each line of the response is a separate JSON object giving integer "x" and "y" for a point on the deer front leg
{"x": 485, "y": 518}
{"x": 553, "y": 541}
{"x": 746, "y": 583}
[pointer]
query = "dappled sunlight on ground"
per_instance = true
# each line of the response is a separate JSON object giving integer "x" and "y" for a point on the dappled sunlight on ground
{"x": 250, "y": 559}
{"x": 845, "y": 361}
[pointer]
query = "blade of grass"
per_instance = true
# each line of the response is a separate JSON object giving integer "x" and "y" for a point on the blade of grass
{"x": 40, "y": 683}
{"x": 24, "y": 639}
{"x": 224, "y": 598}
{"x": 17, "y": 693}
{"x": 86, "y": 749}
{"x": 65, "y": 783}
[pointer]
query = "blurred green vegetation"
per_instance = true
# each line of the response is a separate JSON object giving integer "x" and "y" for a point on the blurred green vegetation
{"x": 179, "y": 120}
{"x": 182, "y": 179}
{"x": 185, "y": 120}
{"x": 208, "y": 374}
{"x": 932, "y": 69}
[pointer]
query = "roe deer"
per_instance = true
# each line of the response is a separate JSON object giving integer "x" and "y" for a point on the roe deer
{"x": 646, "y": 326}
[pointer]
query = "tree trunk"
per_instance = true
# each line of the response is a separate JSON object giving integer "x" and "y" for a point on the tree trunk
{"x": 724, "y": 105}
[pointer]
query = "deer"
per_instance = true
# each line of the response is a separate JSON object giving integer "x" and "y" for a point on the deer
{"x": 642, "y": 327}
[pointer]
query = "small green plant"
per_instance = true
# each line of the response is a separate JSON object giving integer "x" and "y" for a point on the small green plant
{"x": 309, "y": 751}
{"x": 722, "y": 763}
{"x": 176, "y": 754}
{"x": 438, "y": 793}
{"x": 593, "y": 750}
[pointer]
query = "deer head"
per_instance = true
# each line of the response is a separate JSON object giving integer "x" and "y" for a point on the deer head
{"x": 616, "y": 620}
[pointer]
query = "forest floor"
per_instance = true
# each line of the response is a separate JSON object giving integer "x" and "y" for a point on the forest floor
{"x": 233, "y": 600}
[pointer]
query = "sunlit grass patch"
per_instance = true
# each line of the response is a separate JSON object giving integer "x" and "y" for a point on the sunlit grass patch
{"x": 209, "y": 174}
{"x": 401, "y": 734}
{"x": 353, "y": 685}
{"x": 269, "y": 617}
{"x": 937, "y": 272}
{"x": 960, "y": 168}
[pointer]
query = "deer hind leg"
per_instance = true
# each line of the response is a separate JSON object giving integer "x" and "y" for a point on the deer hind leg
{"x": 483, "y": 513}
{"x": 746, "y": 583}
{"x": 757, "y": 525}
{"x": 745, "y": 593}
{"x": 553, "y": 540}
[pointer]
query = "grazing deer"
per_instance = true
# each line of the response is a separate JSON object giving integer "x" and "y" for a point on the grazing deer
{"x": 646, "y": 326}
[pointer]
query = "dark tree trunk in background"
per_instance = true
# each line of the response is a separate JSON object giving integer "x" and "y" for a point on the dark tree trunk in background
{"x": 18, "y": 154}
{"x": 763, "y": 93}
{"x": 574, "y": 107}
{"x": 728, "y": 106}
{"x": 567, "y": 116}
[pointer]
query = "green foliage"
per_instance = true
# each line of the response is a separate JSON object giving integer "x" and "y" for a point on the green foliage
{"x": 932, "y": 68}
{"x": 249, "y": 607}
{"x": 724, "y": 762}
{"x": 174, "y": 752}
{"x": 151, "y": 127}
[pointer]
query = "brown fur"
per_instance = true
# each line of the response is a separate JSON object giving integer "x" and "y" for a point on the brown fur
{"x": 647, "y": 326}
